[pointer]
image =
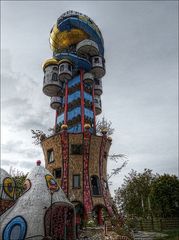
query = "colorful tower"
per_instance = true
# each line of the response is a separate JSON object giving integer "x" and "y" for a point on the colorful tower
{"x": 76, "y": 155}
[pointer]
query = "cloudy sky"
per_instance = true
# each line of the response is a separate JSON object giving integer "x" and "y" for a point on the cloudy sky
{"x": 140, "y": 85}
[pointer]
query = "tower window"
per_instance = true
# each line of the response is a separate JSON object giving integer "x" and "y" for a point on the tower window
{"x": 55, "y": 68}
{"x": 50, "y": 156}
{"x": 95, "y": 185}
{"x": 54, "y": 77}
{"x": 96, "y": 60}
{"x": 76, "y": 181}
{"x": 62, "y": 68}
{"x": 76, "y": 149}
{"x": 69, "y": 67}
{"x": 57, "y": 173}
{"x": 97, "y": 81}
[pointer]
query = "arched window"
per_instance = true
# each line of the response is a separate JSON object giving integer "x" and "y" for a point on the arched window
{"x": 96, "y": 60}
{"x": 95, "y": 185}
{"x": 55, "y": 68}
{"x": 54, "y": 77}
{"x": 69, "y": 67}
{"x": 62, "y": 68}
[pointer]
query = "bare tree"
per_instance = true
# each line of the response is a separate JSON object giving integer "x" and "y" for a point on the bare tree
{"x": 38, "y": 135}
{"x": 104, "y": 125}
{"x": 115, "y": 158}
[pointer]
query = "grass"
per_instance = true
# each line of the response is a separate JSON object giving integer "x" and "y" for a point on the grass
{"x": 172, "y": 235}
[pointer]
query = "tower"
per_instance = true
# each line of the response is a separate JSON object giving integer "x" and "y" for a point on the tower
{"x": 75, "y": 154}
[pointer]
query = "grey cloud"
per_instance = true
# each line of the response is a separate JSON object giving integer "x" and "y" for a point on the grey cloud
{"x": 18, "y": 147}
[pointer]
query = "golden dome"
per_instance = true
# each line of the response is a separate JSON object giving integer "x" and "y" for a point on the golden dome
{"x": 48, "y": 62}
{"x": 61, "y": 40}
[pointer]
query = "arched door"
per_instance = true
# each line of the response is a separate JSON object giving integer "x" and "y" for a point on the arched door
{"x": 59, "y": 222}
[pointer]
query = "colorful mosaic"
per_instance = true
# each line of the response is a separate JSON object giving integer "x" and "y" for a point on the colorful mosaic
{"x": 15, "y": 229}
{"x": 65, "y": 157}
{"x": 9, "y": 187}
{"x": 59, "y": 222}
{"x": 104, "y": 190}
{"x": 87, "y": 201}
{"x": 51, "y": 183}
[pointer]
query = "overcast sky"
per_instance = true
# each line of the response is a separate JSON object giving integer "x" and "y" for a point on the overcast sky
{"x": 140, "y": 85}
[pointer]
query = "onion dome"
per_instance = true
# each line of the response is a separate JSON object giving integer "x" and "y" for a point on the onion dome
{"x": 88, "y": 78}
{"x": 87, "y": 47}
{"x": 97, "y": 104}
{"x": 98, "y": 67}
{"x": 41, "y": 208}
{"x": 65, "y": 70}
{"x": 7, "y": 186}
{"x": 51, "y": 84}
{"x": 56, "y": 103}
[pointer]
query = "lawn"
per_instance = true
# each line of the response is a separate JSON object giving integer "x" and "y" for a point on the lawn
{"x": 172, "y": 235}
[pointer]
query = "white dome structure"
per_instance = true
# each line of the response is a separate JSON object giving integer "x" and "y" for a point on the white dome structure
{"x": 43, "y": 210}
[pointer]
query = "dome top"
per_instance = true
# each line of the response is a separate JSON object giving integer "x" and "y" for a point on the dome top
{"x": 50, "y": 61}
{"x": 71, "y": 28}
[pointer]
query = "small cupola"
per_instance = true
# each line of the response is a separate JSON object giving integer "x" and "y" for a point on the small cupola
{"x": 98, "y": 66}
{"x": 87, "y": 47}
{"x": 51, "y": 84}
{"x": 65, "y": 70}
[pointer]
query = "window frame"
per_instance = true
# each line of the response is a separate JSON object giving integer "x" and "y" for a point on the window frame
{"x": 72, "y": 150}
{"x": 51, "y": 152}
{"x": 54, "y": 173}
{"x": 79, "y": 181}
{"x": 98, "y": 185}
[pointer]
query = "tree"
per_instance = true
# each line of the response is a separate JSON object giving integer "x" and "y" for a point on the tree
{"x": 145, "y": 194}
{"x": 104, "y": 125}
{"x": 19, "y": 180}
{"x": 132, "y": 197}
{"x": 165, "y": 195}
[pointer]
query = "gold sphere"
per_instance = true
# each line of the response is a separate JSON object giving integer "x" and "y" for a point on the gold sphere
{"x": 64, "y": 127}
{"x": 104, "y": 130}
{"x": 87, "y": 126}
{"x": 110, "y": 139}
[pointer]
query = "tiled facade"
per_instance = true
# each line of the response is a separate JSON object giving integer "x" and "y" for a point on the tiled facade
{"x": 76, "y": 165}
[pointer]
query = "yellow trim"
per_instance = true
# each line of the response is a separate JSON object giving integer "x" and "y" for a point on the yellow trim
{"x": 65, "y": 60}
{"x": 50, "y": 61}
